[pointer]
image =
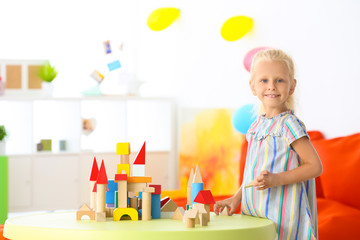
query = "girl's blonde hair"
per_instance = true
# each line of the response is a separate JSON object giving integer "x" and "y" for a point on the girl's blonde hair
{"x": 275, "y": 55}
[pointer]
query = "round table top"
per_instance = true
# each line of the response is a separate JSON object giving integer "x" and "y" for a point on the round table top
{"x": 63, "y": 225}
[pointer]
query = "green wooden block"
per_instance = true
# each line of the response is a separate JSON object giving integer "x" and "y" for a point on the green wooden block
{"x": 4, "y": 189}
{"x": 46, "y": 144}
{"x": 116, "y": 199}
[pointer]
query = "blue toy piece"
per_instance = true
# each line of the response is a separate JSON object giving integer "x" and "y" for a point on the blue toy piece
{"x": 112, "y": 185}
{"x": 155, "y": 206}
{"x": 114, "y": 65}
{"x": 196, "y": 188}
{"x": 110, "y": 197}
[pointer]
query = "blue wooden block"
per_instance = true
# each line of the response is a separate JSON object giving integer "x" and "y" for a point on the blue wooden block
{"x": 140, "y": 195}
{"x": 196, "y": 188}
{"x": 112, "y": 185}
{"x": 155, "y": 206}
{"x": 114, "y": 65}
{"x": 110, "y": 197}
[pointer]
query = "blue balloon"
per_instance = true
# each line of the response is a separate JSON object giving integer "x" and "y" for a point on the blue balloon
{"x": 243, "y": 118}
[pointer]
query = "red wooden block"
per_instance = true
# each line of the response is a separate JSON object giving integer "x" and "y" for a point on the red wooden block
{"x": 164, "y": 201}
{"x": 120, "y": 177}
{"x": 140, "y": 157}
{"x": 157, "y": 188}
{"x": 205, "y": 197}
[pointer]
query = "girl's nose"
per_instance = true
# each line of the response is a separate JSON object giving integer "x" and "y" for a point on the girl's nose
{"x": 271, "y": 86}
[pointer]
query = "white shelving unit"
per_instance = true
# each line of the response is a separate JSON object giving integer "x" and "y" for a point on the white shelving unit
{"x": 59, "y": 180}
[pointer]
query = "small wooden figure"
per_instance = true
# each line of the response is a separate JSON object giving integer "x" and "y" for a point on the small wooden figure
{"x": 225, "y": 211}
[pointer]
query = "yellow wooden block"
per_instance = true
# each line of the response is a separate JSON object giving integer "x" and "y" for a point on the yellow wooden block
{"x": 123, "y": 148}
{"x": 125, "y": 167}
{"x": 119, "y": 212}
{"x": 139, "y": 179}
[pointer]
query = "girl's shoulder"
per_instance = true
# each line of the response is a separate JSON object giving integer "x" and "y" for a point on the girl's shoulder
{"x": 277, "y": 126}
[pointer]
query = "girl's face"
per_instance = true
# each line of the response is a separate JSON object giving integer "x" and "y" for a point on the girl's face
{"x": 271, "y": 83}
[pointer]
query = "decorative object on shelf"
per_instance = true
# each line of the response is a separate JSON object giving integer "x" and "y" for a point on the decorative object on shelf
{"x": 46, "y": 144}
{"x": 88, "y": 125}
{"x": 48, "y": 73}
{"x": 3, "y": 135}
{"x": 62, "y": 145}
{"x": 39, "y": 147}
{"x": 21, "y": 76}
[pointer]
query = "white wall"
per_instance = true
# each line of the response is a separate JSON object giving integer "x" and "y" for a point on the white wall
{"x": 190, "y": 60}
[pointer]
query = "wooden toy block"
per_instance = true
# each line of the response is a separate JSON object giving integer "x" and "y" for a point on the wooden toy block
{"x": 120, "y": 177}
{"x": 110, "y": 198}
{"x": 178, "y": 214}
{"x": 225, "y": 212}
{"x": 124, "y": 159}
{"x": 140, "y": 157}
{"x": 93, "y": 176}
{"x": 138, "y": 170}
{"x": 251, "y": 184}
{"x": 166, "y": 215}
{"x": 170, "y": 206}
{"x": 135, "y": 187}
{"x": 123, "y": 148}
{"x": 112, "y": 186}
{"x": 134, "y": 203}
{"x": 110, "y": 211}
{"x": 122, "y": 201}
{"x": 146, "y": 204}
{"x": 196, "y": 188}
{"x": 102, "y": 177}
{"x": 120, "y": 212}
{"x": 205, "y": 197}
{"x": 100, "y": 216}
{"x": 139, "y": 179}
{"x": 202, "y": 218}
{"x": 163, "y": 201}
{"x": 100, "y": 198}
{"x": 148, "y": 190}
{"x": 197, "y": 176}
{"x": 189, "y": 187}
{"x": 157, "y": 188}
{"x": 125, "y": 167}
{"x": 85, "y": 211}
{"x": 190, "y": 217}
{"x": 155, "y": 206}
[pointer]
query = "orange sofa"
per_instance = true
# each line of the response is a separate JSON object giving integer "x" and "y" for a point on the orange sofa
{"x": 338, "y": 190}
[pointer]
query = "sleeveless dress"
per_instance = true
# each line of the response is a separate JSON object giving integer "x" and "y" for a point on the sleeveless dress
{"x": 291, "y": 207}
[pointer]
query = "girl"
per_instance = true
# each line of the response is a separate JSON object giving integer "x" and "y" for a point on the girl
{"x": 281, "y": 163}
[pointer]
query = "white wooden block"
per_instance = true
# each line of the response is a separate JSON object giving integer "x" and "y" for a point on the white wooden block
{"x": 138, "y": 170}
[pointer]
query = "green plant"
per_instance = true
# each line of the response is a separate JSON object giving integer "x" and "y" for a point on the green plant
{"x": 47, "y": 72}
{"x": 3, "y": 133}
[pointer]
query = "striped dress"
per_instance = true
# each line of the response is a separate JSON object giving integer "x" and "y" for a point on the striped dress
{"x": 291, "y": 207}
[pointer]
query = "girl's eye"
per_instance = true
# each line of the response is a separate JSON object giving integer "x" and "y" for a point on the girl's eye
{"x": 263, "y": 80}
{"x": 280, "y": 80}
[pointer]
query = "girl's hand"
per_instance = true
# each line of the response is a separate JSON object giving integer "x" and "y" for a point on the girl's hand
{"x": 230, "y": 203}
{"x": 266, "y": 180}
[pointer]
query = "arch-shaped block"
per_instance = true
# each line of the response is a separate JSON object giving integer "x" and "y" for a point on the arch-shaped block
{"x": 90, "y": 214}
{"x": 131, "y": 212}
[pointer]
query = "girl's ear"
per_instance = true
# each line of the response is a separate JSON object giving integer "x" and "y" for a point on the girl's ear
{"x": 252, "y": 87}
{"x": 292, "y": 88}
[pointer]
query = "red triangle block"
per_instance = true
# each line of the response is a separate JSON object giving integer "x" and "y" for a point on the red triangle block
{"x": 205, "y": 197}
{"x": 140, "y": 157}
{"x": 164, "y": 201}
{"x": 94, "y": 171}
{"x": 102, "y": 177}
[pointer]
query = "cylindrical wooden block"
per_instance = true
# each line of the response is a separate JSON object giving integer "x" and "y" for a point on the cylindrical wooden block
{"x": 196, "y": 188}
{"x": 101, "y": 198}
{"x": 92, "y": 195}
{"x": 122, "y": 194}
{"x": 190, "y": 223}
{"x": 146, "y": 206}
{"x": 124, "y": 159}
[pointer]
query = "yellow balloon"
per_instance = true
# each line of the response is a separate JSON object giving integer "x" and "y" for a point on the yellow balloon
{"x": 236, "y": 27}
{"x": 162, "y": 18}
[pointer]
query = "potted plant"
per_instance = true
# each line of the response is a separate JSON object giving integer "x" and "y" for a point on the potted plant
{"x": 48, "y": 73}
{"x": 3, "y": 135}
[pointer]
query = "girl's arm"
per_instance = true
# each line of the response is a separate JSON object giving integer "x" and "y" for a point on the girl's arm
{"x": 232, "y": 203}
{"x": 310, "y": 168}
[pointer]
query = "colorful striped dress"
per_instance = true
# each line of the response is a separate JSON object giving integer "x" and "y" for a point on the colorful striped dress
{"x": 291, "y": 207}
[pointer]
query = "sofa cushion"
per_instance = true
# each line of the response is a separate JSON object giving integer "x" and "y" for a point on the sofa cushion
{"x": 341, "y": 162}
{"x": 337, "y": 221}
